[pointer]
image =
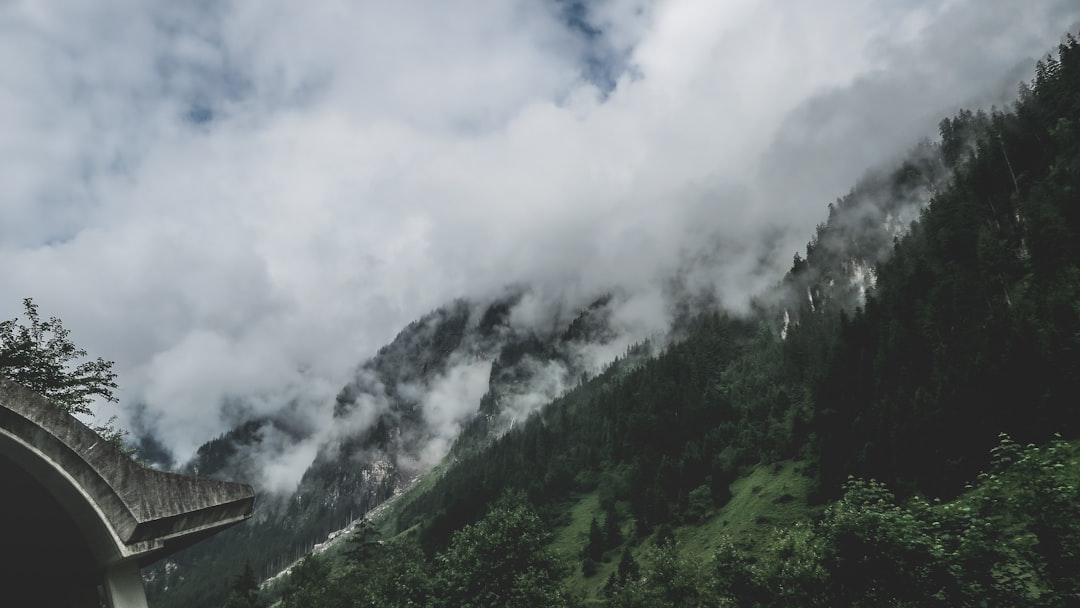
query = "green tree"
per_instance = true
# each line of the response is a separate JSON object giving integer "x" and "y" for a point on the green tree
{"x": 502, "y": 560}
{"x": 245, "y": 590}
{"x": 612, "y": 534}
{"x": 733, "y": 581}
{"x": 1019, "y": 528}
{"x": 627, "y": 574}
{"x": 38, "y": 355}
{"x": 699, "y": 504}
{"x": 594, "y": 549}
{"x": 880, "y": 553}
{"x": 673, "y": 582}
{"x": 364, "y": 542}
{"x": 391, "y": 573}
{"x": 309, "y": 585}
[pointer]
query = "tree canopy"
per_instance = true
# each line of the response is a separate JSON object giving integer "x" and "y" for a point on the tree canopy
{"x": 39, "y": 355}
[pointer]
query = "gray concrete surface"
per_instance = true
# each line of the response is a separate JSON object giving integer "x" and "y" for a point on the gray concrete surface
{"x": 74, "y": 494}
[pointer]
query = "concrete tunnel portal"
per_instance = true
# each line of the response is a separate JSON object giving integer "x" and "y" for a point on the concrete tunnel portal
{"x": 78, "y": 518}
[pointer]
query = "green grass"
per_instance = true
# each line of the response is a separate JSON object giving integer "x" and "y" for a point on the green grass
{"x": 386, "y": 515}
{"x": 766, "y": 497}
{"x": 571, "y": 539}
{"x": 769, "y": 496}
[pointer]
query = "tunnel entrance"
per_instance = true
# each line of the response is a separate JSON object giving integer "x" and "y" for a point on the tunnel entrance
{"x": 47, "y": 561}
{"x": 79, "y": 517}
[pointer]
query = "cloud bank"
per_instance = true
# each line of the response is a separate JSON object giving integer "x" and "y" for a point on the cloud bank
{"x": 239, "y": 201}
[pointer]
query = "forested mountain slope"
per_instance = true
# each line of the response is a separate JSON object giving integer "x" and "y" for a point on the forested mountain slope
{"x": 970, "y": 328}
{"x": 466, "y": 364}
{"x": 973, "y": 327}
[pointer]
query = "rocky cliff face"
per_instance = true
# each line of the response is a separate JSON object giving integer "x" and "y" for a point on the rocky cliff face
{"x": 448, "y": 382}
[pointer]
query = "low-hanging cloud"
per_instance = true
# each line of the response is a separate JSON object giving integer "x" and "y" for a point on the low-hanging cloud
{"x": 240, "y": 200}
{"x": 448, "y": 402}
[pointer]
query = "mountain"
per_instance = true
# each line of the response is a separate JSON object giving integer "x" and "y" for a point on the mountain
{"x": 968, "y": 330}
{"x": 384, "y": 437}
{"x": 456, "y": 378}
{"x": 824, "y": 449}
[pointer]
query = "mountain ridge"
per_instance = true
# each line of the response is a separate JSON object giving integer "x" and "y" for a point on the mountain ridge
{"x": 819, "y": 369}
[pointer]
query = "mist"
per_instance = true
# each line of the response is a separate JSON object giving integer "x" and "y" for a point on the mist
{"x": 240, "y": 202}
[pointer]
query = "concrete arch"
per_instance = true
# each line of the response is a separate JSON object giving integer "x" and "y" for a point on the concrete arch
{"x": 103, "y": 514}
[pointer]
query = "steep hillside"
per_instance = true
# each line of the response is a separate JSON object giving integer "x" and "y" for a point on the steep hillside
{"x": 973, "y": 327}
{"x": 898, "y": 354}
{"x": 465, "y": 365}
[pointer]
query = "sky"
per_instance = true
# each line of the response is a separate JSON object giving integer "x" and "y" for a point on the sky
{"x": 240, "y": 201}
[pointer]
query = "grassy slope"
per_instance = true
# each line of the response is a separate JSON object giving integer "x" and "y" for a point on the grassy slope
{"x": 767, "y": 496}
{"x": 570, "y": 539}
{"x": 764, "y": 498}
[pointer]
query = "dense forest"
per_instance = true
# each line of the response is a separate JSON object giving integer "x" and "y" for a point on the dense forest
{"x": 908, "y": 440}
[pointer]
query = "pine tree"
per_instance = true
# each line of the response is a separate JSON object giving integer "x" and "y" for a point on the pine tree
{"x": 594, "y": 549}
{"x": 245, "y": 590}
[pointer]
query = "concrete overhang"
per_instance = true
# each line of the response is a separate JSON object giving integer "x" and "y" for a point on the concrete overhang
{"x": 126, "y": 512}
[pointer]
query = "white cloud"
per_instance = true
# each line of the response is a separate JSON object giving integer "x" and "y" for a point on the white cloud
{"x": 246, "y": 198}
{"x": 448, "y": 403}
